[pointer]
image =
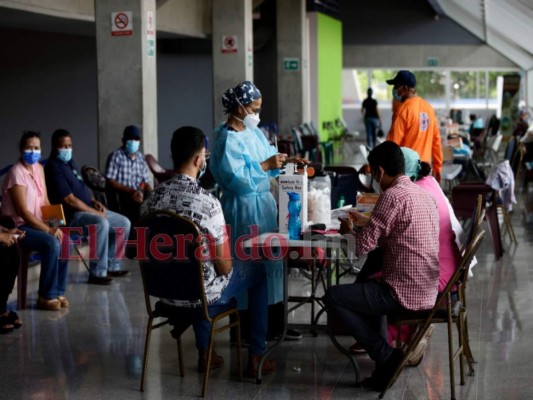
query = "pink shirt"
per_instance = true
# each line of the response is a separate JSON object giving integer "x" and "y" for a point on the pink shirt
{"x": 35, "y": 187}
{"x": 449, "y": 255}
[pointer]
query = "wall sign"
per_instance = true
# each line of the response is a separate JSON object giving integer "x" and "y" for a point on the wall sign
{"x": 229, "y": 44}
{"x": 121, "y": 23}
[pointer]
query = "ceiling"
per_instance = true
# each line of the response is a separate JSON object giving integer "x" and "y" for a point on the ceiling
{"x": 506, "y": 26}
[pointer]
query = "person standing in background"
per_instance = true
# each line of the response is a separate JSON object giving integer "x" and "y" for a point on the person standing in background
{"x": 415, "y": 124}
{"x": 372, "y": 118}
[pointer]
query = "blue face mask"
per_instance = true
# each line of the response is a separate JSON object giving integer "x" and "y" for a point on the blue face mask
{"x": 132, "y": 146}
{"x": 64, "y": 155}
{"x": 31, "y": 156}
{"x": 395, "y": 95}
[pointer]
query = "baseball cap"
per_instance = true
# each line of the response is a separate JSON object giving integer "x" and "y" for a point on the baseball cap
{"x": 403, "y": 78}
{"x": 132, "y": 132}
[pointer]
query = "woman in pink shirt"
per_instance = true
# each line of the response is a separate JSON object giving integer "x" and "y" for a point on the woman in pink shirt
{"x": 23, "y": 195}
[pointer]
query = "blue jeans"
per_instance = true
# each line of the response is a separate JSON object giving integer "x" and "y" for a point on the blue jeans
{"x": 53, "y": 279}
{"x": 371, "y": 125}
{"x": 363, "y": 309}
{"x": 105, "y": 238}
{"x": 249, "y": 276}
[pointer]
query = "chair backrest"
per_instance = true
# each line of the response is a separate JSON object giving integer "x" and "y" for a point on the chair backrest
{"x": 171, "y": 267}
{"x": 94, "y": 179}
{"x": 478, "y": 213}
{"x": 297, "y": 138}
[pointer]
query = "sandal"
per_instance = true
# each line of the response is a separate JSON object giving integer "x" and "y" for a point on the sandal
{"x": 13, "y": 317}
{"x": 48, "y": 304}
{"x": 5, "y": 325}
{"x": 64, "y": 301}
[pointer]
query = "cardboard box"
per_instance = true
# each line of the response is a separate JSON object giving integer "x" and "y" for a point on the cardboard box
{"x": 291, "y": 183}
{"x": 366, "y": 202}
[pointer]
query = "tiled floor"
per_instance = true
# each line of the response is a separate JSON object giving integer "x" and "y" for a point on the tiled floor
{"x": 94, "y": 351}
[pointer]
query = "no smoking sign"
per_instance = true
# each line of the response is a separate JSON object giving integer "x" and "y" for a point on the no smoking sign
{"x": 229, "y": 44}
{"x": 121, "y": 23}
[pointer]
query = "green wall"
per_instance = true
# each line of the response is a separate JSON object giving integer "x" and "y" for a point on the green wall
{"x": 329, "y": 70}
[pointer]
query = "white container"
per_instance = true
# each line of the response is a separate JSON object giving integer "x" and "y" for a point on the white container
{"x": 319, "y": 200}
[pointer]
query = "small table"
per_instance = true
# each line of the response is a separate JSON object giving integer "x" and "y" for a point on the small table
{"x": 266, "y": 242}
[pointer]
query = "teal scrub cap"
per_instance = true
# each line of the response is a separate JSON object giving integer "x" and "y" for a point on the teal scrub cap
{"x": 412, "y": 162}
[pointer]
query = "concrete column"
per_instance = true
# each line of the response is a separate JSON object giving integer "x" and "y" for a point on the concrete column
{"x": 127, "y": 81}
{"x": 292, "y": 64}
{"x": 233, "y": 52}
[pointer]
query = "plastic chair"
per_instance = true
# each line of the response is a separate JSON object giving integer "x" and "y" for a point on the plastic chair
{"x": 175, "y": 272}
{"x": 447, "y": 311}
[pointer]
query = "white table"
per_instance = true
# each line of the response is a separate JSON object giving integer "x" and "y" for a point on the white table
{"x": 266, "y": 242}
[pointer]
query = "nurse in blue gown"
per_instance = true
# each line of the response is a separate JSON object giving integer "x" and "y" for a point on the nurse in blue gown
{"x": 242, "y": 163}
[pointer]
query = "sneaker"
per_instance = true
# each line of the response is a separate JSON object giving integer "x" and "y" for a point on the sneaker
{"x": 356, "y": 348}
{"x": 118, "y": 274}
{"x": 269, "y": 366}
{"x": 418, "y": 354}
{"x": 216, "y": 360}
{"x": 48, "y": 304}
{"x": 99, "y": 280}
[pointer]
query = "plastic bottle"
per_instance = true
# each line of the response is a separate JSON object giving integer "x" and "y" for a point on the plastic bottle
{"x": 341, "y": 201}
{"x": 295, "y": 224}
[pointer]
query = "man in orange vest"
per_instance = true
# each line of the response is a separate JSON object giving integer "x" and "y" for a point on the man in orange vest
{"x": 415, "y": 124}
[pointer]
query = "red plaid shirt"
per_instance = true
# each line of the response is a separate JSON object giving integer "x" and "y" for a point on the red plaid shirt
{"x": 405, "y": 224}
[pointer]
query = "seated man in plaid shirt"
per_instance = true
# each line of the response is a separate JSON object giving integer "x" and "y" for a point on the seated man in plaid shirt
{"x": 405, "y": 225}
{"x": 128, "y": 174}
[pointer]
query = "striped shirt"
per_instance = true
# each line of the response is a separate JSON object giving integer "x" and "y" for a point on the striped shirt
{"x": 405, "y": 224}
{"x": 126, "y": 170}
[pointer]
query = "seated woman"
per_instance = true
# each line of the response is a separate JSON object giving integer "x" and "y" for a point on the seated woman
{"x": 23, "y": 194}
{"x": 9, "y": 260}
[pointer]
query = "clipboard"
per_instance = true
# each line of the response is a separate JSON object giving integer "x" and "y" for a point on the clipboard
{"x": 53, "y": 215}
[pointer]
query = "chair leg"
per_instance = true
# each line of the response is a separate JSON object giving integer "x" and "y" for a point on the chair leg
{"x": 180, "y": 357}
{"x": 450, "y": 350}
{"x": 146, "y": 348}
{"x": 22, "y": 280}
{"x": 239, "y": 348}
{"x": 82, "y": 258}
{"x": 208, "y": 364}
{"x": 508, "y": 224}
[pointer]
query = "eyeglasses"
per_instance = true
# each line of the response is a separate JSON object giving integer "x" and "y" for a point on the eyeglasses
{"x": 207, "y": 155}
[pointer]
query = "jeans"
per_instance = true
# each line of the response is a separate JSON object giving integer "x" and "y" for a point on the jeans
{"x": 53, "y": 279}
{"x": 371, "y": 125}
{"x": 106, "y": 250}
{"x": 363, "y": 309}
{"x": 249, "y": 276}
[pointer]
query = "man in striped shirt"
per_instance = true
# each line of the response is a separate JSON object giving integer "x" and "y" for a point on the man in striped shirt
{"x": 405, "y": 225}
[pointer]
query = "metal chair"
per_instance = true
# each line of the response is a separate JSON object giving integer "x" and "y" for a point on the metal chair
{"x": 446, "y": 310}
{"x": 172, "y": 270}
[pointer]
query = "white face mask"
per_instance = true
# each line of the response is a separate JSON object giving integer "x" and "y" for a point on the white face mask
{"x": 251, "y": 120}
{"x": 376, "y": 185}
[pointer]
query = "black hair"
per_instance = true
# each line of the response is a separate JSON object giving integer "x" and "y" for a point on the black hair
{"x": 388, "y": 155}
{"x": 25, "y": 136}
{"x": 56, "y": 137}
{"x": 186, "y": 142}
{"x": 425, "y": 170}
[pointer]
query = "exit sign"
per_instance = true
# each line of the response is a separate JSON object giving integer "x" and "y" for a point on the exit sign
{"x": 432, "y": 61}
{"x": 291, "y": 64}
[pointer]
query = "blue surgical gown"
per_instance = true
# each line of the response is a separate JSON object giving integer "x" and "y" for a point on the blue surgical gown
{"x": 246, "y": 199}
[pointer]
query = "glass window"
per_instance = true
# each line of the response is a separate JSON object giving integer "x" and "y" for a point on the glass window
{"x": 431, "y": 85}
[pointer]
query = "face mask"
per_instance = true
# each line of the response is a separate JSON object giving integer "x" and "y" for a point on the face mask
{"x": 201, "y": 172}
{"x": 395, "y": 95}
{"x": 64, "y": 155}
{"x": 132, "y": 146}
{"x": 251, "y": 120}
{"x": 31, "y": 156}
{"x": 376, "y": 185}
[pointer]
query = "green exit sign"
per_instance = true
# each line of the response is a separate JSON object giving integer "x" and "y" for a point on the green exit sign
{"x": 432, "y": 62}
{"x": 291, "y": 64}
